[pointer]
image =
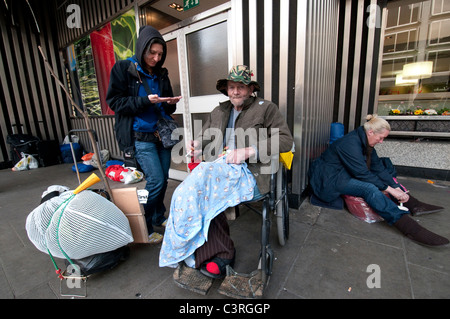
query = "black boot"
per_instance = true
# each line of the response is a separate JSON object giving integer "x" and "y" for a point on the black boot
{"x": 417, "y": 208}
{"x": 411, "y": 229}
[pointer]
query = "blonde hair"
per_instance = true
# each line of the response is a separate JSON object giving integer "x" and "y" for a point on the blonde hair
{"x": 376, "y": 124}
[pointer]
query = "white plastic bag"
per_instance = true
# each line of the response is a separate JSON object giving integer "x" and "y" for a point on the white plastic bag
{"x": 74, "y": 138}
{"x": 125, "y": 175}
{"x": 104, "y": 155}
{"x": 22, "y": 164}
{"x": 27, "y": 162}
{"x": 32, "y": 162}
{"x": 130, "y": 176}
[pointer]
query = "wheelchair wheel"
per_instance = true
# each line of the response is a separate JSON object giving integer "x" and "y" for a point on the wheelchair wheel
{"x": 282, "y": 207}
{"x": 267, "y": 256}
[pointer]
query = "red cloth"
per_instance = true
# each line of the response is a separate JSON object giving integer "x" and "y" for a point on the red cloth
{"x": 114, "y": 172}
{"x": 192, "y": 165}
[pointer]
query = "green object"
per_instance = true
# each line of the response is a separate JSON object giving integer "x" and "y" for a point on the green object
{"x": 188, "y": 4}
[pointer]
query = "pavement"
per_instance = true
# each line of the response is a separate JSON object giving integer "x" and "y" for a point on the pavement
{"x": 330, "y": 254}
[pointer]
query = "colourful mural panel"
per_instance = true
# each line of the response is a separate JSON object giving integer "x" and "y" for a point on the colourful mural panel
{"x": 104, "y": 59}
{"x": 124, "y": 35}
{"x": 87, "y": 77}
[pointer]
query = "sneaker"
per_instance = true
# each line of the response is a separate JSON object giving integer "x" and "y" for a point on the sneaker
{"x": 155, "y": 238}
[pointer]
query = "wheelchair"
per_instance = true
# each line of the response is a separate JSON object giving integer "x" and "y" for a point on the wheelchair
{"x": 274, "y": 203}
{"x": 250, "y": 286}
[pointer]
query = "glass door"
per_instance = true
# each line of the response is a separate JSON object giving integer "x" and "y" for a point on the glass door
{"x": 198, "y": 55}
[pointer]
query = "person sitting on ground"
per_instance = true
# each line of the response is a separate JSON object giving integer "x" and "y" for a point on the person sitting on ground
{"x": 250, "y": 129}
{"x": 351, "y": 166}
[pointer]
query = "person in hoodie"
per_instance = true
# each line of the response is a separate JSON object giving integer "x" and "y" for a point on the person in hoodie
{"x": 140, "y": 90}
{"x": 351, "y": 166}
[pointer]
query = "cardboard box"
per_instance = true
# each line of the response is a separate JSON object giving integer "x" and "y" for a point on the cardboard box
{"x": 126, "y": 199}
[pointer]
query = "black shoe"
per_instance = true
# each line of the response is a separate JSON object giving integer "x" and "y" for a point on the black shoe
{"x": 411, "y": 229}
{"x": 417, "y": 208}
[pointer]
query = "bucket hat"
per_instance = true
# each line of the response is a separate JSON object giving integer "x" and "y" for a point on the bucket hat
{"x": 239, "y": 73}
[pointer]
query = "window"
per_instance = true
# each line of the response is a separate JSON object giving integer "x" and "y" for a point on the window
{"x": 417, "y": 38}
{"x": 207, "y": 51}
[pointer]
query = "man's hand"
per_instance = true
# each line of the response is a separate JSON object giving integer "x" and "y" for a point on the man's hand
{"x": 195, "y": 150}
{"x": 239, "y": 156}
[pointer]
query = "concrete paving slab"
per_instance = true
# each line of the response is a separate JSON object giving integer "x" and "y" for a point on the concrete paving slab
{"x": 326, "y": 257}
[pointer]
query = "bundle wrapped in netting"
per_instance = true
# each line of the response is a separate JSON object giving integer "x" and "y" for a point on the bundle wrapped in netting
{"x": 76, "y": 226}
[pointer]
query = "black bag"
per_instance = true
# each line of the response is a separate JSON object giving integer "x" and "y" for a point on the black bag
{"x": 101, "y": 262}
{"x": 49, "y": 153}
{"x": 130, "y": 160}
{"x": 22, "y": 143}
{"x": 165, "y": 129}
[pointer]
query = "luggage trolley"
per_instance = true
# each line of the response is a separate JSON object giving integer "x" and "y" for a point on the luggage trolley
{"x": 72, "y": 276}
{"x": 250, "y": 286}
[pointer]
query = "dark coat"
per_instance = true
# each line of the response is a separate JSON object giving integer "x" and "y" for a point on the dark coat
{"x": 122, "y": 96}
{"x": 343, "y": 160}
{"x": 256, "y": 115}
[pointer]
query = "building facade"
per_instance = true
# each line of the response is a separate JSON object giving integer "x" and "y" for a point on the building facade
{"x": 320, "y": 61}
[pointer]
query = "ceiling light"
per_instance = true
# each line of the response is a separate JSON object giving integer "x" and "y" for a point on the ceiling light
{"x": 175, "y": 6}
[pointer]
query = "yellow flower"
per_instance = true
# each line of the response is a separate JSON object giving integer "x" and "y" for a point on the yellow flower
{"x": 396, "y": 111}
{"x": 418, "y": 112}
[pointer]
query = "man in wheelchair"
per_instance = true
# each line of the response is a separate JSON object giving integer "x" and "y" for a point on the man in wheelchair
{"x": 236, "y": 143}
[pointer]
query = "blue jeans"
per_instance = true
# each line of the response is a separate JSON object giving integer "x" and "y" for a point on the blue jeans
{"x": 379, "y": 202}
{"x": 154, "y": 160}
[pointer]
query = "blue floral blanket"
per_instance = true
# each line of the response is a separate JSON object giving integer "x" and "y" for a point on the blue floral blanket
{"x": 208, "y": 190}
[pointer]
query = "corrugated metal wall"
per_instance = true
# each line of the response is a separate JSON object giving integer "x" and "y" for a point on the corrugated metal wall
{"x": 291, "y": 45}
{"x": 360, "y": 39}
{"x": 104, "y": 129}
{"x": 30, "y": 100}
{"x": 92, "y": 13}
{"x": 317, "y": 34}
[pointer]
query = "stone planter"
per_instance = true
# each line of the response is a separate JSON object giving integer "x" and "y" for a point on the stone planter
{"x": 412, "y": 125}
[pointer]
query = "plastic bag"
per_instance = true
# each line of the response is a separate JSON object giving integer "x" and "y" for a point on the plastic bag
{"x": 358, "y": 207}
{"x": 122, "y": 174}
{"x": 27, "y": 162}
{"x": 101, "y": 262}
{"x": 73, "y": 139}
{"x": 87, "y": 157}
{"x": 104, "y": 155}
{"x": 131, "y": 176}
{"x": 32, "y": 162}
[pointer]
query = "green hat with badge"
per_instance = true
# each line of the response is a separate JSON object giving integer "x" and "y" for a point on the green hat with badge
{"x": 239, "y": 73}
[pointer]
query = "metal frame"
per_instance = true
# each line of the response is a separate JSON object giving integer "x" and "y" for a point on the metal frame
{"x": 275, "y": 202}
